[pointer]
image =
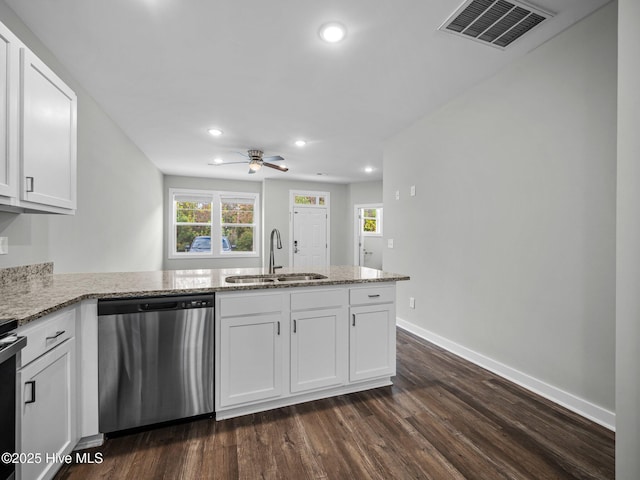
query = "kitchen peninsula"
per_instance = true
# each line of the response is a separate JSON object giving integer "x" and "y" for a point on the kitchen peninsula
{"x": 280, "y": 339}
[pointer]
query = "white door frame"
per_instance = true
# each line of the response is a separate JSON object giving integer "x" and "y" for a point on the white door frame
{"x": 356, "y": 228}
{"x": 327, "y": 205}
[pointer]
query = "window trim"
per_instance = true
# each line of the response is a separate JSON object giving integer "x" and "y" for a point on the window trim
{"x": 216, "y": 224}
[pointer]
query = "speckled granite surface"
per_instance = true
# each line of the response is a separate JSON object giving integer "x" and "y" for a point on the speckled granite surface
{"x": 24, "y": 273}
{"x": 42, "y": 294}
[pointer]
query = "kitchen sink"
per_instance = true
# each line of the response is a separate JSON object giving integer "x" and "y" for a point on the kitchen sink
{"x": 249, "y": 279}
{"x": 288, "y": 277}
{"x": 297, "y": 277}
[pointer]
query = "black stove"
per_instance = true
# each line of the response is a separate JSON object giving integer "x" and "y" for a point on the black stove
{"x": 10, "y": 345}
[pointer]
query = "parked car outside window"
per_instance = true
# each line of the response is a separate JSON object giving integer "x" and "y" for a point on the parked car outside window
{"x": 203, "y": 244}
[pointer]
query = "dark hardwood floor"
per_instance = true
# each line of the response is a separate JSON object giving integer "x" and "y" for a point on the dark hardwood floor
{"x": 444, "y": 418}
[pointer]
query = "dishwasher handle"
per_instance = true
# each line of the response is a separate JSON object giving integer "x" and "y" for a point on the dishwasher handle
{"x": 142, "y": 305}
{"x": 157, "y": 307}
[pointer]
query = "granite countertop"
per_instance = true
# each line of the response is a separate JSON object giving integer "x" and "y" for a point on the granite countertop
{"x": 33, "y": 296}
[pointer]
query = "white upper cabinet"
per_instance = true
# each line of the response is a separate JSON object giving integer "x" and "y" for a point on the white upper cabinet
{"x": 9, "y": 79}
{"x": 48, "y": 149}
{"x": 38, "y": 125}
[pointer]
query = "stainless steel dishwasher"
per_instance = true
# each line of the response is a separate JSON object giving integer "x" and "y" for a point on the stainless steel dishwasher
{"x": 155, "y": 360}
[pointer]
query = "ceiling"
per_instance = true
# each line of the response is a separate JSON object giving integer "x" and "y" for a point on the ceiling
{"x": 168, "y": 70}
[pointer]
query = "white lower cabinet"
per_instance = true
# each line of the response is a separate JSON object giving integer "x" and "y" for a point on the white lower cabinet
{"x": 372, "y": 341}
{"x": 318, "y": 349}
{"x": 250, "y": 349}
{"x": 47, "y": 395}
{"x": 276, "y": 349}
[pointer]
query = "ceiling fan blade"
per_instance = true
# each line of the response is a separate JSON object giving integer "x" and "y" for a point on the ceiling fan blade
{"x": 243, "y": 154}
{"x": 275, "y": 158}
{"x": 225, "y": 163}
{"x": 276, "y": 167}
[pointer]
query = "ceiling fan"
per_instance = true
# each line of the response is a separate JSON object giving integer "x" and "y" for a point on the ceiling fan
{"x": 256, "y": 161}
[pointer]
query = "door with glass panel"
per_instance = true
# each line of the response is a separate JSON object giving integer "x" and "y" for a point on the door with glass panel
{"x": 310, "y": 229}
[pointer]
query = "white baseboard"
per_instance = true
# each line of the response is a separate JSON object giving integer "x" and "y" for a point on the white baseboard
{"x": 575, "y": 404}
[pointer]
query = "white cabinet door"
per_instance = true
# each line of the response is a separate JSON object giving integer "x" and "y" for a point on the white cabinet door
{"x": 318, "y": 349}
{"x": 47, "y": 403}
{"x": 250, "y": 358}
{"x": 372, "y": 342}
{"x": 48, "y": 147}
{"x": 9, "y": 77}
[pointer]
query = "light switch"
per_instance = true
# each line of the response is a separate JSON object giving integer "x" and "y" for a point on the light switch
{"x": 397, "y": 194}
{"x": 390, "y": 243}
{"x": 412, "y": 302}
{"x": 413, "y": 190}
{"x": 4, "y": 245}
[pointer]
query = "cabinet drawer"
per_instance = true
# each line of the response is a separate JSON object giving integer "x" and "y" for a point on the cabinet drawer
{"x": 370, "y": 295}
{"x": 247, "y": 304}
{"x": 46, "y": 333}
{"x": 318, "y": 299}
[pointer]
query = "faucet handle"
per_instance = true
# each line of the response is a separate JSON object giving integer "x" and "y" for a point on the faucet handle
{"x": 276, "y": 267}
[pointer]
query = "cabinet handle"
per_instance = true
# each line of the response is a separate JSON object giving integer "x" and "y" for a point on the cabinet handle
{"x": 295, "y": 326}
{"x": 32, "y": 384}
{"x": 30, "y": 184}
{"x": 58, "y": 333}
{"x": 374, "y": 296}
{"x": 278, "y": 327}
{"x": 354, "y": 319}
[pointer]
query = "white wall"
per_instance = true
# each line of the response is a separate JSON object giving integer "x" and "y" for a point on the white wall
{"x": 276, "y": 215}
{"x": 510, "y": 239}
{"x": 200, "y": 183}
{"x": 274, "y": 199}
{"x": 118, "y": 224}
{"x": 628, "y": 245}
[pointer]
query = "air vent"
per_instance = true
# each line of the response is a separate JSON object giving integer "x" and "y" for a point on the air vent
{"x": 495, "y": 22}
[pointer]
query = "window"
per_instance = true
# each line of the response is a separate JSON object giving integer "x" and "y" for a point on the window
{"x": 213, "y": 224}
{"x": 372, "y": 221}
{"x": 308, "y": 200}
{"x": 238, "y": 226}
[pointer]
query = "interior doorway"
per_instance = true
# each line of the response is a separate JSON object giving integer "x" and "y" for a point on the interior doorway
{"x": 309, "y": 229}
{"x": 368, "y": 240}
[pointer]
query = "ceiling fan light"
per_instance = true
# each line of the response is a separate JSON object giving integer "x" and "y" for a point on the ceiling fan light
{"x": 254, "y": 165}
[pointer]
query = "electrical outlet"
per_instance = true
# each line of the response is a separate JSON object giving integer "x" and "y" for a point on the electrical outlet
{"x": 4, "y": 245}
{"x": 397, "y": 194}
{"x": 413, "y": 190}
{"x": 390, "y": 243}
{"x": 412, "y": 302}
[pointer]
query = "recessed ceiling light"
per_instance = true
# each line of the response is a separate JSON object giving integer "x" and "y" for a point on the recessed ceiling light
{"x": 333, "y": 32}
{"x": 300, "y": 143}
{"x": 217, "y": 160}
{"x": 368, "y": 169}
{"x": 216, "y": 132}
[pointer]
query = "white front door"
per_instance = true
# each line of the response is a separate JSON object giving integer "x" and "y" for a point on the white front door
{"x": 310, "y": 237}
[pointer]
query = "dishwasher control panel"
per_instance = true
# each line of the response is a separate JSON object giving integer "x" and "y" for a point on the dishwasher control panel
{"x": 198, "y": 304}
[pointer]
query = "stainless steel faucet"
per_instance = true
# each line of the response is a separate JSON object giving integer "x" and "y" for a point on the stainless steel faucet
{"x": 272, "y": 266}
